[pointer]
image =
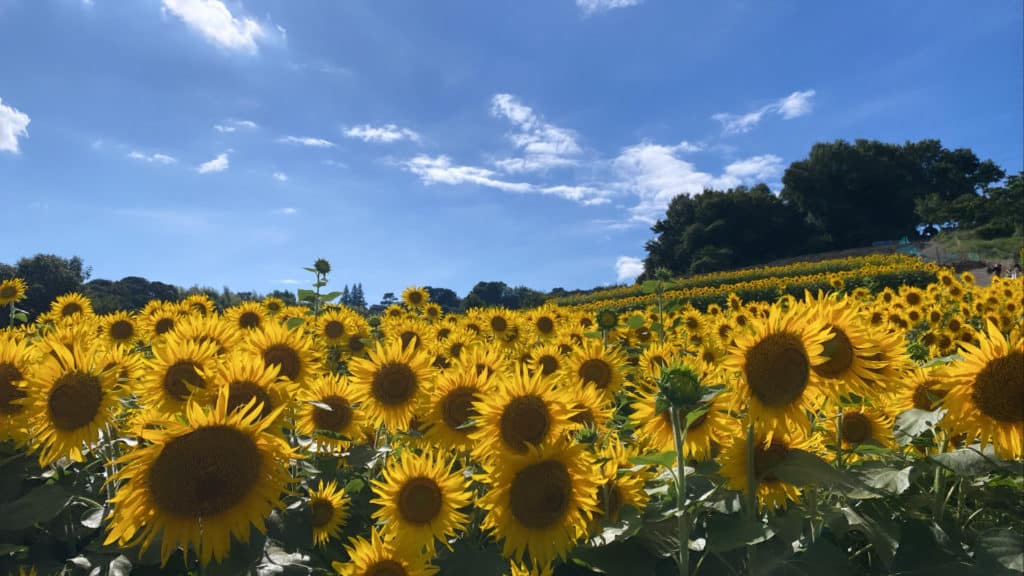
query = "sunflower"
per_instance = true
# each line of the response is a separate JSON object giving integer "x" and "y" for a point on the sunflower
{"x": 273, "y": 305}
{"x": 16, "y": 361}
{"x": 859, "y": 426}
{"x": 249, "y": 377}
{"x": 522, "y": 410}
{"x": 594, "y": 363}
{"x": 486, "y": 359}
{"x": 378, "y": 557}
{"x": 328, "y": 510}
{"x": 12, "y": 290}
{"x": 540, "y": 503}
{"x": 419, "y": 499}
{"x": 453, "y": 407}
{"x": 202, "y": 482}
{"x": 355, "y": 341}
{"x": 199, "y": 304}
{"x": 415, "y": 297}
{"x": 543, "y": 323}
{"x": 409, "y": 331}
{"x": 177, "y": 369}
{"x": 247, "y": 315}
{"x": 327, "y": 403}
{"x": 774, "y": 362}
{"x": 848, "y": 352}
{"x": 213, "y": 328}
{"x": 547, "y": 360}
{"x": 73, "y": 395}
{"x": 71, "y": 304}
{"x": 891, "y": 360}
{"x": 432, "y": 312}
{"x": 618, "y": 490}
{"x": 291, "y": 350}
{"x": 986, "y": 395}
{"x": 655, "y": 357}
{"x": 160, "y": 321}
{"x": 390, "y": 383}
{"x": 332, "y": 327}
{"x": 771, "y": 492}
{"x": 119, "y": 328}
{"x": 498, "y": 321}
{"x": 713, "y": 428}
{"x": 592, "y": 408}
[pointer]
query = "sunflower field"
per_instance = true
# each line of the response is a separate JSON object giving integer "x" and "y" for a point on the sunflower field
{"x": 827, "y": 422}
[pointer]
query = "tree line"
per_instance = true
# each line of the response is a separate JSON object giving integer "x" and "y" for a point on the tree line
{"x": 843, "y": 195}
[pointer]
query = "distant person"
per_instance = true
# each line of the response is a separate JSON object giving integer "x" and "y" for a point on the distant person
{"x": 997, "y": 270}
{"x": 1015, "y": 272}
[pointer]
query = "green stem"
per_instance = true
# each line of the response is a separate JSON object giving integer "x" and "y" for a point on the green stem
{"x": 12, "y": 315}
{"x": 683, "y": 526}
{"x": 839, "y": 439}
{"x": 812, "y": 503}
{"x": 938, "y": 503}
{"x": 751, "y": 478}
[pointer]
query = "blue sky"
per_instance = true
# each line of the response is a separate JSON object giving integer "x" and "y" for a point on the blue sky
{"x": 446, "y": 142}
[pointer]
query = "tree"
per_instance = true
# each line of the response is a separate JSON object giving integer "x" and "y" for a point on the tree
{"x": 357, "y": 300}
{"x": 716, "y": 230}
{"x": 487, "y": 293}
{"x": 388, "y": 299}
{"x": 287, "y": 297}
{"x": 346, "y": 296}
{"x": 446, "y": 298}
{"x": 48, "y": 276}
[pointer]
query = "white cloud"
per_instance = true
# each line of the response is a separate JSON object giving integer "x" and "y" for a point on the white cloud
{"x": 307, "y": 141}
{"x": 593, "y": 6}
{"x": 793, "y": 106}
{"x": 544, "y": 145}
{"x": 218, "y": 164}
{"x": 280, "y": 176}
{"x": 13, "y": 124}
{"x": 758, "y": 168}
{"x": 440, "y": 170}
{"x": 235, "y": 125}
{"x": 386, "y": 133}
{"x": 335, "y": 163}
{"x": 155, "y": 158}
{"x": 289, "y": 281}
{"x": 288, "y": 211}
{"x": 628, "y": 268}
{"x": 796, "y": 104}
{"x": 217, "y": 24}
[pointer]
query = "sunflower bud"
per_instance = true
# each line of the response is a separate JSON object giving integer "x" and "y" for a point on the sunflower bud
{"x": 680, "y": 386}
{"x": 607, "y": 319}
{"x": 322, "y": 266}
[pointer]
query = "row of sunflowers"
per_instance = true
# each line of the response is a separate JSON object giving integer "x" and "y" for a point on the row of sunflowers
{"x": 725, "y": 278}
{"x": 843, "y": 430}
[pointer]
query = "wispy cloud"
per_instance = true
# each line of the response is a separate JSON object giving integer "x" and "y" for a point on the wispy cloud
{"x": 788, "y": 107}
{"x": 155, "y": 158}
{"x": 218, "y": 164}
{"x": 215, "y": 22}
{"x": 628, "y": 268}
{"x": 440, "y": 170}
{"x": 544, "y": 145}
{"x": 289, "y": 211}
{"x": 307, "y": 141}
{"x": 386, "y": 133}
{"x": 13, "y": 124}
{"x": 289, "y": 281}
{"x": 280, "y": 176}
{"x": 234, "y": 125}
{"x": 593, "y": 6}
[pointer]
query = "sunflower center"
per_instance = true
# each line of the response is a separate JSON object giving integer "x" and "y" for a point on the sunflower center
{"x": 498, "y": 324}
{"x": 415, "y": 298}
{"x": 335, "y": 419}
{"x": 7, "y": 291}
{"x": 163, "y": 325}
{"x": 457, "y": 407}
{"x": 322, "y": 512}
{"x": 241, "y": 392}
{"x": 545, "y": 325}
{"x": 249, "y": 320}
{"x": 767, "y": 458}
{"x": 394, "y": 384}
{"x": 455, "y": 350}
{"x": 442, "y": 333}
{"x": 585, "y": 416}
{"x": 777, "y": 369}
{"x": 74, "y": 400}
{"x": 610, "y": 500}
{"x": 407, "y": 337}
{"x": 122, "y": 330}
{"x": 926, "y": 395}
{"x": 419, "y": 500}
{"x": 355, "y": 344}
{"x": 70, "y": 309}
{"x": 596, "y": 371}
{"x": 205, "y": 472}
{"x": 9, "y": 374}
{"x": 839, "y": 351}
{"x": 334, "y": 329}
{"x": 284, "y": 356}
{"x": 180, "y": 376}
{"x": 540, "y": 494}
{"x": 386, "y": 568}
{"x": 999, "y": 388}
{"x": 524, "y": 419}
{"x": 856, "y": 427}
{"x": 548, "y": 364}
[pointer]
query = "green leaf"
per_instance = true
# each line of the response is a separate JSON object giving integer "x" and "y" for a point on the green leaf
{"x": 696, "y": 413}
{"x": 306, "y": 295}
{"x": 354, "y": 485}
{"x": 925, "y": 549}
{"x": 636, "y": 322}
{"x": 974, "y": 462}
{"x": 39, "y": 505}
{"x": 467, "y": 558}
{"x": 329, "y": 296}
{"x": 916, "y": 421}
{"x": 92, "y": 518}
{"x": 627, "y": 526}
{"x": 821, "y": 557}
{"x": 618, "y": 559}
{"x": 119, "y": 566}
{"x": 294, "y": 323}
{"x": 892, "y": 480}
{"x": 21, "y": 316}
{"x": 1000, "y": 551}
{"x": 731, "y": 531}
{"x": 801, "y": 468}
{"x": 649, "y": 287}
{"x": 308, "y": 269}
{"x": 881, "y": 537}
{"x": 666, "y": 459}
